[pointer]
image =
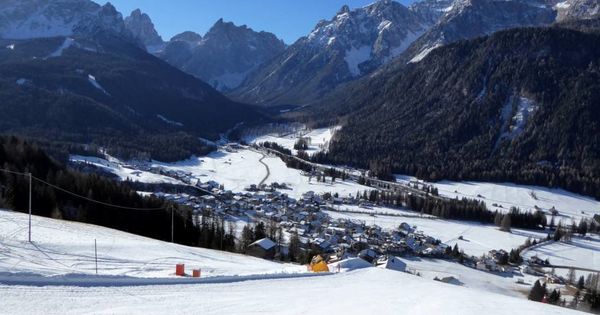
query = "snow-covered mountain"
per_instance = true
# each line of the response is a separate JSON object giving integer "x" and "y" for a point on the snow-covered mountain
{"x": 224, "y": 56}
{"x": 344, "y": 48}
{"x": 26, "y": 19}
{"x": 466, "y": 19}
{"x": 142, "y": 28}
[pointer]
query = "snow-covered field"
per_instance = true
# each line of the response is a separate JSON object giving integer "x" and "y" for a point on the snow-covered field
{"x": 319, "y": 139}
{"x": 570, "y": 206}
{"x": 62, "y": 248}
{"x": 477, "y": 239}
{"x": 580, "y": 253}
{"x": 238, "y": 170}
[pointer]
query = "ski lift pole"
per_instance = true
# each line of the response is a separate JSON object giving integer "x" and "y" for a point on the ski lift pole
{"x": 30, "y": 179}
{"x": 96, "y": 255}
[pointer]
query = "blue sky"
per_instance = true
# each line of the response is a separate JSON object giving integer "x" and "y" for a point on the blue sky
{"x": 288, "y": 19}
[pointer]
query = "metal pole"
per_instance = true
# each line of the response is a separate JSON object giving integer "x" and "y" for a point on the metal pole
{"x": 29, "y": 207}
{"x": 172, "y": 215}
{"x": 96, "y": 255}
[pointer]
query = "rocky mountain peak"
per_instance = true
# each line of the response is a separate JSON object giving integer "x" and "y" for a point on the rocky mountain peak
{"x": 142, "y": 28}
{"x": 349, "y": 45}
{"x": 345, "y": 9}
{"x": 432, "y": 10}
{"x": 187, "y": 36}
{"x": 225, "y": 55}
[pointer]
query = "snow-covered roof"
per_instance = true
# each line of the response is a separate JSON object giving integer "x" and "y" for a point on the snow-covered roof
{"x": 265, "y": 243}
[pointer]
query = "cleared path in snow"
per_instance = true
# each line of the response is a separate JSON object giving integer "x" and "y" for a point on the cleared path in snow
{"x": 87, "y": 280}
{"x": 267, "y": 167}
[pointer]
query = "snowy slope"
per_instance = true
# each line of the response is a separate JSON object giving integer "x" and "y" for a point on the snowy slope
{"x": 371, "y": 290}
{"x": 62, "y": 248}
{"x": 570, "y": 206}
{"x": 470, "y": 277}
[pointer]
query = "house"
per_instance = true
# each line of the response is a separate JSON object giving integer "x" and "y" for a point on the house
{"x": 368, "y": 255}
{"x": 393, "y": 263}
{"x": 488, "y": 265}
{"x": 263, "y": 248}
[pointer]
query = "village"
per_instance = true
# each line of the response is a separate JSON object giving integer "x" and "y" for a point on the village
{"x": 334, "y": 239}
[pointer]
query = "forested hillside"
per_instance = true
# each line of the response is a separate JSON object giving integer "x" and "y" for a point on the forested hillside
{"x": 17, "y": 155}
{"x": 521, "y": 105}
{"x": 108, "y": 92}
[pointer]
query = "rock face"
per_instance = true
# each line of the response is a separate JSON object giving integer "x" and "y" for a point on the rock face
{"x": 577, "y": 9}
{"x": 431, "y": 10}
{"x": 224, "y": 56}
{"x": 467, "y": 19}
{"x": 26, "y": 19}
{"x": 344, "y": 48}
{"x": 142, "y": 28}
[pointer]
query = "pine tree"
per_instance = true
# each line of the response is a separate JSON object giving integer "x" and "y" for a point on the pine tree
{"x": 294, "y": 247}
{"x": 259, "y": 231}
{"x": 582, "y": 229}
{"x": 247, "y": 238}
{"x": 581, "y": 283}
{"x": 537, "y": 292}
{"x": 554, "y": 297}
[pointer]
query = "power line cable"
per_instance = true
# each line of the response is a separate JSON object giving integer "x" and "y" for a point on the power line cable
{"x": 83, "y": 197}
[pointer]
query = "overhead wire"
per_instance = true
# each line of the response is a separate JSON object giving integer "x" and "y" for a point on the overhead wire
{"x": 80, "y": 196}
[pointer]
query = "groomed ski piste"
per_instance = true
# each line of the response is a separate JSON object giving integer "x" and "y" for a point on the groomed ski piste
{"x": 55, "y": 274}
